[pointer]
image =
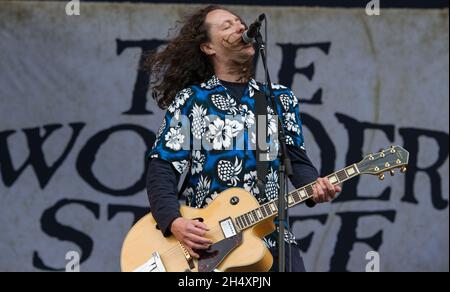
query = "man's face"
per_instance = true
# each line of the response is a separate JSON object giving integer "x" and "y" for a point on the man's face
{"x": 225, "y": 32}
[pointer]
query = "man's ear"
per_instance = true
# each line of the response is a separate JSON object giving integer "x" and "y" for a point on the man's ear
{"x": 207, "y": 49}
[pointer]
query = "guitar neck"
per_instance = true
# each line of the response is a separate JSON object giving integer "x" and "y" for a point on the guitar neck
{"x": 294, "y": 198}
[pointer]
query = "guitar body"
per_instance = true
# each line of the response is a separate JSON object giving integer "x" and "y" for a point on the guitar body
{"x": 246, "y": 252}
{"x": 237, "y": 224}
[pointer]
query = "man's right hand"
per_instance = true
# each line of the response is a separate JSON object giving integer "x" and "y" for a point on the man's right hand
{"x": 191, "y": 234}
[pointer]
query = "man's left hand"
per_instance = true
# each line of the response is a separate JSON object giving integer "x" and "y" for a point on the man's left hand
{"x": 324, "y": 191}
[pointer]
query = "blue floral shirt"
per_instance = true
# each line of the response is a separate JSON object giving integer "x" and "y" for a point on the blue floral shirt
{"x": 210, "y": 133}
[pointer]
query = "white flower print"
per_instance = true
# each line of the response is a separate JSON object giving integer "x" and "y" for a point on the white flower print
{"x": 251, "y": 91}
{"x": 252, "y": 87}
{"x": 198, "y": 159}
{"x": 251, "y": 183}
{"x": 294, "y": 100}
{"x": 272, "y": 120}
{"x": 270, "y": 243}
{"x": 174, "y": 139}
{"x": 228, "y": 172}
{"x": 180, "y": 166}
{"x": 247, "y": 116}
{"x": 289, "y": 140}
{"x": 278, "y": 86}
{"x": 180, "y": 99}
{"x": 162, "y": 128}
{"x": 235, "y": 126}
{"x": 160, "y": 132}
{"x": 291, "y": 123}
{"x": 221, "y": 132}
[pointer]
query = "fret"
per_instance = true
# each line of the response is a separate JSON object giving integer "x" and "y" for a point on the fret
{"x": 243, "y": 222}
{"x": 296, "y": 197}
{"x": 263, "y": 211}
{"x": 333, "y": 179}
{"x": 341, "y": 175}
{"x": 250, "y": 217}
{"x": 269, "y": 212}
{"x": 290, "y": 200}
{"x": 351, "y": 171}
{"x": 273, "y": 207}
{"x": 238, "y": 222}
{"x": 258, "y": 213}
{"x": 255, "y": 215}
{"x": 303, "y": 194}
{"x": 309, "y": 190}
{"x": 246, "y": 221}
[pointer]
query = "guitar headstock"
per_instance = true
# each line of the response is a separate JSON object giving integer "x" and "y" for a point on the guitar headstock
{"x": 385, "y": 160}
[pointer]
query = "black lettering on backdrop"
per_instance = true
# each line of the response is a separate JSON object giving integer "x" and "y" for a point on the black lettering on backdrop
{"x": 141, "y": 86}
{"x": 355, "y": 131}
{"x": 305, "y": 242}
{"x": 36, "y": 158}
{"x": 86, "y": 159}
{"x": 53, "y": 228}
{"x": 327, "y": 149}
{"x": 411, "y": 141}
{"x": 288, "y": 69}
{"x": 347, "y": 237}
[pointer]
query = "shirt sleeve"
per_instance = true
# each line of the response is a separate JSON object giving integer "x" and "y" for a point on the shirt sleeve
{"x": 292, "y": 120}
{"x": 173, "y": 140}
{"x": 162, "y": 183}
{"x": 304, "y": 170}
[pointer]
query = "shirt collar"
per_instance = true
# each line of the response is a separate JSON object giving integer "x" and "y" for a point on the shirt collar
{"x": 213, "y": 82}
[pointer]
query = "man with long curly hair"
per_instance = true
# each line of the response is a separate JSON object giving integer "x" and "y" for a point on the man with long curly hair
{"x": 204, "y": 78}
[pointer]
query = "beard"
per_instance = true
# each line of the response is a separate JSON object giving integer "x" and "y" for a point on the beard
{"x": 241, "y": 57}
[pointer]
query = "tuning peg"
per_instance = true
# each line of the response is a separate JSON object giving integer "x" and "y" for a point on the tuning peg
{"x": 381, "y": 176}
{"x": 403, "y": 169}
{"x": 392, "y": 172}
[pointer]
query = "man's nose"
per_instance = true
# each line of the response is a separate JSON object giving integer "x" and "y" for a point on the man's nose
{"x": 241, "y": 28}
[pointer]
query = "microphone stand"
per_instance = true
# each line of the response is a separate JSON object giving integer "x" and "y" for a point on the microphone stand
{"x": 285, "y": 168}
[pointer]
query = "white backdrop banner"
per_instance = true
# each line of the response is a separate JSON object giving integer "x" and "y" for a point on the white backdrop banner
{"x": 76, "y": 122}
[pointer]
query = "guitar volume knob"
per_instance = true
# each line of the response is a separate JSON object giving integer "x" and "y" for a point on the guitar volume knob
{"x": 234, "y": 200}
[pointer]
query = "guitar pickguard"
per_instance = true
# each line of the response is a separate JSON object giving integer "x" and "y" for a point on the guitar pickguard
{"x": 212, "y": 257}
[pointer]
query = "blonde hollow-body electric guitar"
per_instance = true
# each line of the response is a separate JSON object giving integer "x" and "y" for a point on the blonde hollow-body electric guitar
{"x": 237, "y": 224}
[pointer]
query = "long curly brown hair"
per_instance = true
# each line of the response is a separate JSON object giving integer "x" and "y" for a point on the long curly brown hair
{"x": 182, "y": 63}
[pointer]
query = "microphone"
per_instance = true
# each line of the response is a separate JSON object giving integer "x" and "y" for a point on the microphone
{"x": 249, "y": 35}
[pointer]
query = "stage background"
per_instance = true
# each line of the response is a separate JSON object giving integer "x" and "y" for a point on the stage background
{"x": 76, "y": 122}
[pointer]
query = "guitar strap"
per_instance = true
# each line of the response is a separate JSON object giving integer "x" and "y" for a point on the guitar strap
{"x": 262, "y": 165}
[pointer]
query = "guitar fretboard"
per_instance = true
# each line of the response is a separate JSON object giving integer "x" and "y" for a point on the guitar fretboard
{"x": 296, "y": 197}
